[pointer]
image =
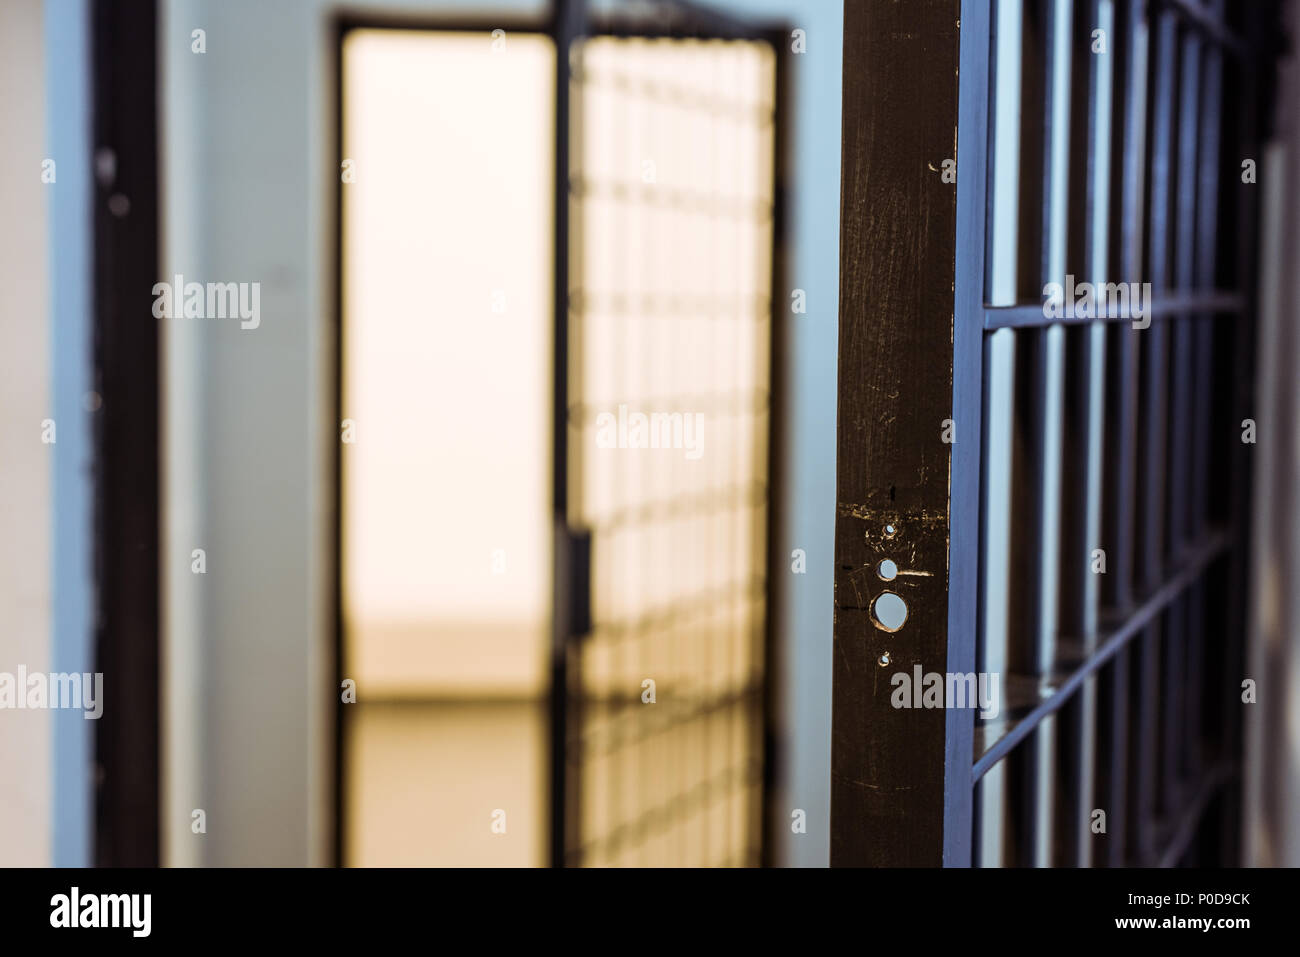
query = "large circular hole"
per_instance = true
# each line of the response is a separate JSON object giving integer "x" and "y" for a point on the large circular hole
{"x": 890, "y": 611}
{"x": 887, "y": 570}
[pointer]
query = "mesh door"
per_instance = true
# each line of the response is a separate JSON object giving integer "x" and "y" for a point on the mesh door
{"x": 671, "y": 253}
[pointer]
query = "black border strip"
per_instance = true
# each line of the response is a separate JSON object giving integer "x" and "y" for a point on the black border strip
{"x": 126, "y": 346}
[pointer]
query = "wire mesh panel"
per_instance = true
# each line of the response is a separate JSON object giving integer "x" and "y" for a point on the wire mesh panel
{"x": 670, "y": 276}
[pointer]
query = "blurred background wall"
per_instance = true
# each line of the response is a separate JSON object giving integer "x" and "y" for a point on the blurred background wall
{"x": 1271, "y": 819}
{"x": 26, "y": 519}
{"x": 247, "y": 133}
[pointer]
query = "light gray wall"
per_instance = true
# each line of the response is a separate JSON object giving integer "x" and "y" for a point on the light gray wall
{"x": 1271, "y": 821}
{"x": 808, "y": 474}
{"x": 46, "y": 548}
{"x": 248, "y": 177}
{"x": 68, "y": 134}
{"x": 25, "y": 462}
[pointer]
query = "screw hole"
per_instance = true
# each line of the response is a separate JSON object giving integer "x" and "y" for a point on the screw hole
{"x": 890, "y": 611}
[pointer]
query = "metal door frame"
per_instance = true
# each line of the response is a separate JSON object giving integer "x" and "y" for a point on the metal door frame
{"x": 126, "y": 829}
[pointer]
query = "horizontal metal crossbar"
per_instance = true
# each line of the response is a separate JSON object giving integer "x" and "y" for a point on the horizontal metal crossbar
{"x": 1199, "y": 559}
{"x": 1162, "y": 306}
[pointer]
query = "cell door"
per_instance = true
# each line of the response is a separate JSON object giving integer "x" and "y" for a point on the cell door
{"x": 1045, "y": 352}
{"x": 668, "y": 234}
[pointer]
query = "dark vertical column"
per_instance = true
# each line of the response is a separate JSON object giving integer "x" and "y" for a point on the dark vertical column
{"x": 1028, "y": 565}
{"x": 1179, "y": 530}
{"x": 1088, "y": 259}
{"x": 572, "y": 556}
{"x": 1128, "y": 160}
{"x": 126, "y": 437}
{"x": 338, "y": 780}
{"x": 1255, "y": 76}
{"x": 1145, "y": 689}
{"x": 897, "y": 252}
{"x": 777, "y": 457}
{"x": 1206, "y": 439}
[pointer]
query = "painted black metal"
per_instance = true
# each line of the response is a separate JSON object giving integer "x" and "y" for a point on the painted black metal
{"x": 900, "y": 113}
{"x": 774, "y": 751}
{"x": 127, "y": 433}
{"x": 571, "y": 602}
{"x": 1120, "y": 479}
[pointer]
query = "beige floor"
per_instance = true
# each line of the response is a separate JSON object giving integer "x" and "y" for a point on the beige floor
{"x": 424, "y": 780}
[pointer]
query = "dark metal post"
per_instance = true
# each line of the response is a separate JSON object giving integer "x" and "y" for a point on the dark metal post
{"x": 568, "y": 564}
{"x": 126, "y": 437}
{"x": 898, "y": 250}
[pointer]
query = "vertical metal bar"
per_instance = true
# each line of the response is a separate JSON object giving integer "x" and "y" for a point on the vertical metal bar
{"x": 1085, "y": 385}
{"x": 1130, "y": 150}
{"x": 1154, "y": 396}
{"x": 1002, "y": 215}
{"x": 1112, "y": 737}
{"x": 1025, "y": 558}
{"x": 777, "y": 445}
{"x": 126, "y": 440}
{"x": 566, "y": 28}
{"x": 1182, "y": 278}
{"x": 706, "y": 725}
{"x": 1180, "y": 466}
{"x": 1073, "y": 584}
{"x": 338, "y": 781}
{"x": 1099, "y": 227}
{"x": 1206, "y": 229}
{"x": 1130, "y": 153}
{"x": 1023, "y": 822}
{"x": 1155, "y": 338}
{"x": 1048, "y": 415}
{"x": 967, "y": 387}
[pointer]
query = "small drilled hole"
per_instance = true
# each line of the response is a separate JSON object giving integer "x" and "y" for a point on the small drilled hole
{"x": 890, "y": 611}
{"x": 883, "y": 660}
{"x": 890, "y": 531}
{"x": 887, "y": 570}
